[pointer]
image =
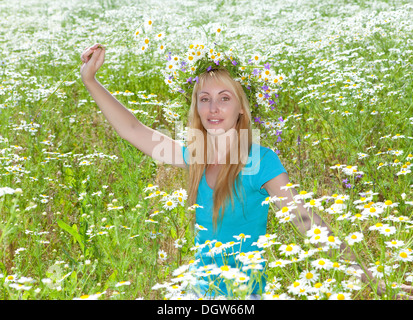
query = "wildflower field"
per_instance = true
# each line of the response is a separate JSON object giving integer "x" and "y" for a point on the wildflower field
{"x": 85, "y": 215}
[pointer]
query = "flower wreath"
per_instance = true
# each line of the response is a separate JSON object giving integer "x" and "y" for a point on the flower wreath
{"x": 260, "y": 83}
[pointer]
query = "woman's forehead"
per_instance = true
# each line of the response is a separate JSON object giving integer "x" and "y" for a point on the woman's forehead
{"x": 210, "y": 85}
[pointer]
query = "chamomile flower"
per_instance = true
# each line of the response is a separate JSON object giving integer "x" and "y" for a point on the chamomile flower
{"x": 322, "y": 264}
{"x": 199, "y": 227}
{"x": 390, "y": 204}
{"x": 150, "y": 187}
{"x": 340, "y": 296}
{"x": 333, "y": 242}
{"x": 242, "y": 237}
{"x": 162, "y": 255}
{"x": 302, "y": 195}
{"x": 289, "y": 186}
{"x": 279, "y": 263}
{"x": 299, "y": 287}
{"x": 309, "y": 276}
{"x": 313, "y": 203}
{"x": 179, "y": 243}
{"x": 404, "y": 255}
{"x": 354, "y": 237}
{"x": 289, "y": 249}
{"x": 285, "y": 211}
{"x": 378, "y": 270}
{"x": 349, "y": 170}
{"x": 317, "y": 230}
{"x": 122, "y": 283}
{"x": 387, "y": 230}
{"x": 287, "y": 218}
{"x": 170, "y": 204}
{"x": 394, "y": 243}
{"x": 88, "y": 297}
{"x": 350, "y": 285}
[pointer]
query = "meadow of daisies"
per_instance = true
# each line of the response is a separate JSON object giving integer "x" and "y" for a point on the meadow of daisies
{"x": 85, "y": 215}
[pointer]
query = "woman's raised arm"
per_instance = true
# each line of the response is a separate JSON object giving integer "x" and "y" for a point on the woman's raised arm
{"x": 149, "y": 141}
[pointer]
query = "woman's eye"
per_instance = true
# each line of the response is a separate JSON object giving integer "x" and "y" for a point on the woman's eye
{"x": 225, "y": 98}
{"x": 204, "y": 99}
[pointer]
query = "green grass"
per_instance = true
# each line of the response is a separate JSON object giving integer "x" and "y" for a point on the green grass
{"x": 348, "y": 91}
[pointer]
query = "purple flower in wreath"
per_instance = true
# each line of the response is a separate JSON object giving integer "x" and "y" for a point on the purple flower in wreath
{"x": 267, "y": 66}
{"x": 209, "y": 68}
{"x": 234, "y": 62}
{"x": 196, "y": 79}
{"x": 256, "y": 72}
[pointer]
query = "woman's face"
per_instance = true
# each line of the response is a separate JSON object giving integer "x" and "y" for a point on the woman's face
{"x": 218, "y": 107}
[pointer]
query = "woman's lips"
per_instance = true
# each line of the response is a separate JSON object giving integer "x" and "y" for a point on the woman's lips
{"x": 215, "y": 121}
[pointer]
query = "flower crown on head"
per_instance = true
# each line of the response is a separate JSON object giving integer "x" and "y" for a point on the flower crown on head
{"x": 259, "y": 81}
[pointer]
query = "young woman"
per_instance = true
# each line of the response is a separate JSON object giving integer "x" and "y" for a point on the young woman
{"x": 229, "y": 175}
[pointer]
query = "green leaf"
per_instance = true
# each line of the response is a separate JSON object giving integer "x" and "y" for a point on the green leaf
{"x": 111, "y": 279}
{"x": 73, "y": 232}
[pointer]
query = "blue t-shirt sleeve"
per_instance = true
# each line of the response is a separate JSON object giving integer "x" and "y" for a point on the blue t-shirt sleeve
{"x": 270, "y": 167}
{"x": 185, "y": 154}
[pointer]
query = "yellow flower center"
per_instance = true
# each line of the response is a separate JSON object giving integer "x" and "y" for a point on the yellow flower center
{"x": 225, "y": 268}
{"x": 340, "y": 296}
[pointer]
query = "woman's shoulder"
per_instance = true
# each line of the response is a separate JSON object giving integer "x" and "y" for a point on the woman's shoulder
{"x": 263, "y": 151}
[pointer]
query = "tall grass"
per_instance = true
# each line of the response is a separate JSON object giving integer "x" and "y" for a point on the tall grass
{"x": 81, "y": 222}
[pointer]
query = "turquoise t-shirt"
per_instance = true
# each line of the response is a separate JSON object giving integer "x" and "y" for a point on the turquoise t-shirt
{"x": 248, "y": 218}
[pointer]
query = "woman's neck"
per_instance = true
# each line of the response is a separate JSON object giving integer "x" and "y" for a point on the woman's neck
{"x": 218, "y": 146}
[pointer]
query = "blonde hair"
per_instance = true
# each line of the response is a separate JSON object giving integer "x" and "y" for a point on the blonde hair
{"x": 227, "y": 177}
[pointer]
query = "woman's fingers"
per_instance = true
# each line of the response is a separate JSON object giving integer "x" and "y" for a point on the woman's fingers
{"x": 407, "y": 288}
{"x": 88, "y": 52}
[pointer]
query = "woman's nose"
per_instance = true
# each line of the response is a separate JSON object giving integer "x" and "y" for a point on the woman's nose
{"x": 213, "y": 106}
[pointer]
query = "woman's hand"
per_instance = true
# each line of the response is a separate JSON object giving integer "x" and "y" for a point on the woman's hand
{"x": 367, "y": 277}
{"x": 92, "y": 59}
{"x": 403, "y": 295}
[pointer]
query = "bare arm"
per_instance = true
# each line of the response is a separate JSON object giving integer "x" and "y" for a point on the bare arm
{"x": 149, "y": 141}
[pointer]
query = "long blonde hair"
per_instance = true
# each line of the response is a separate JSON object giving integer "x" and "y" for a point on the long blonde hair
{"x": 227, "y": 177}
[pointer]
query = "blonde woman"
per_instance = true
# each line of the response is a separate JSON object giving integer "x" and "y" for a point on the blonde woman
{"x": 229, "y": 175}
